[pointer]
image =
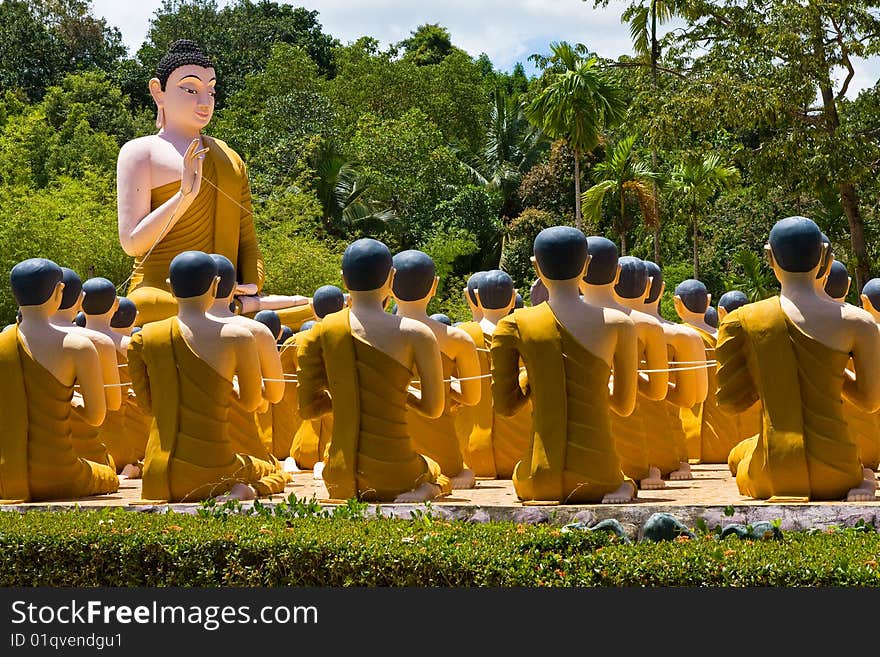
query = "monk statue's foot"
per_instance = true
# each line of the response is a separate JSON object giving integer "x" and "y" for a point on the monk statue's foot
{"x": 464, "y": 479}
{"x": 625, "y": 493}
{"x": 653, "y": 481}
{"x": 318, "y": 472}
{"x": 241, "y": 492}
{"x": 423, "y": 493}
{"x": 290, "y": 465}
{"x": 131, "y": 471}
{"x": 683, "y": 472}
{"x": 871, "y": 477}
{"x": 863, "y": 493}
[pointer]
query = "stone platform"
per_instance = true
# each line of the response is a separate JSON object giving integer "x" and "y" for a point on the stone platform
{"x": 712, "y": 495}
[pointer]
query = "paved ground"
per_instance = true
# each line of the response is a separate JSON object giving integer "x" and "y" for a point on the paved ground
{"x": 709, "y": 496}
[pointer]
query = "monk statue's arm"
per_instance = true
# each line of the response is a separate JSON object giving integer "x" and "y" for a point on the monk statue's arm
{"x": 110, "y": 373}
{"x": 654, "y": 385}
{"x": 137, "y": 371}
{"x": 467, "y": 367}
{"x": 87, "y": 371}
{"x": 508, "y": 396}
{"x": 251, "y": 268}
{"x": 689, "y": 385}
{"x": 429, "y": 367}
{"x": 247, "y": 369}
{"x": 737, "y": 391}
{"x": 863, "y": 390}
{"x": 625, "y": 366}
{"x": 311, "y": 376}
{"x": 270, "y": 366}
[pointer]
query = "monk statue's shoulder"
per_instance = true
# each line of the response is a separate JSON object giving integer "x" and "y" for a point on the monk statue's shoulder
{"x": 459, "y": 336}
{"x": 618, "y": 318}
{"x": 416, "y": 330}
{"x": 76, "y": 342}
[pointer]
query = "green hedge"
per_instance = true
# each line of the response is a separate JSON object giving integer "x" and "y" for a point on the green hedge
{"x": 122, "y": 548}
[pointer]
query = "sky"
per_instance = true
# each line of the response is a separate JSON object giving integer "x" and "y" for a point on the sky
{"x": 508, "y": 31}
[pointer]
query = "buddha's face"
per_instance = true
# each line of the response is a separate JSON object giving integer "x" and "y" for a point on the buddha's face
{"x": 188, "y": 98}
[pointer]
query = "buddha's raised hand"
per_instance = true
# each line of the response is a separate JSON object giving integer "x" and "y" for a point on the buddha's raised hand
{"x": 191, "y": 176}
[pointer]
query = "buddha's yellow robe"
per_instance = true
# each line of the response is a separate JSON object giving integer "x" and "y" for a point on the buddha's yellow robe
{"x": 309, "y": 439}
{"x": 278, "y": 425}
{"x": 189, "y": 456}
{"x": 660, "y": 435}
{"x": 87, "y": 441}
{"x": 37, "y": 460}
{"x": 711, "y": 431}
{"x": 864, "y": 429}
{"x": 492, "y": 444}
{"x": 631, "y": 442}
{"x": 219, "y": 220}
{"x": 246, "y": 438}
{"x": 125, "y": 431}
{"x": 371, "y": 455}
{"x": 679, "y": 438}
{"x": 804, "y": 449}
{"x": 571, "y": 456}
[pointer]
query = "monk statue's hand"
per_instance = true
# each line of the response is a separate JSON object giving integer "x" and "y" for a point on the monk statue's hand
{"x": 191, "y": 175}
{"x": 246, "y": 289}
{"x": 77, "y": 401}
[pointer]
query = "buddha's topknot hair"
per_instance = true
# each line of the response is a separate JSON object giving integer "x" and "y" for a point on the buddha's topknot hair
{"x": 180, "y": 53}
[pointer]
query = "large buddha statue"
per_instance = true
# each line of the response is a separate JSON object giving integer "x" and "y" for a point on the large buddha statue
{"x": 124, "y": 431}
{"x": 180, "y": 190}
{"x": 186, "y": 372}
{"x": 358, "y": 364}
{"x": 39, "y": 366}
{"x": 630, "y": 432}
{"x": 85, "y": 436}
{"x": 792, "y": 353}
{"x": 493, "y": 443}
{"x": 569, "y": 349}
{"x": 415, "y": 284}
{"x": 711, "y": 431}
{"x": 664, "y": 437}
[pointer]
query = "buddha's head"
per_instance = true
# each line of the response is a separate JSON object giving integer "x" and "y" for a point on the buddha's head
{"x": 367, "y": 266}
{"x": 730, "y": 301}
{"x": 473, "y": 282}
{"x": 327, "y": 299}
{"x": 871, "y": 298}
{"x": 286, "y": 334}
{"x": 194, "y": 279}
{"x": 73, "y": 292}
{"x": 655, "y": 290}
{"x": 442, "y": 318}
{"x": 603, "y": 268}
{"x": 633, "y": 282}
{"x": 796, "y": 247}
{"x": 838, "y": 281}
{"x": 271, "y": 320}
{"x": 691, "y": 300}
{"x": 415, "y": 277}
{"x": 184, "y": 88}
{"x": 496, "y": 293}
{"x": 560, "y": 254}
{"x": 711, "y": 317}
{"x": 99, "y": 297}
{"x": 125, "y": 315}
{"x": 228, "y": 276}
{"x": 37, "y": 283}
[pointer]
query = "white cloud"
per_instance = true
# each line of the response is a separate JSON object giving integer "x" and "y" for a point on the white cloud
{"x": 508, "y": 31}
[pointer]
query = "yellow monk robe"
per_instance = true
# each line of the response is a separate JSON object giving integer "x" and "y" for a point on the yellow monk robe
{"x": 436, "y": 438}
{"x": 660, "y": 435}
{"x": 571, "y": 456}
{"x": 279, "y": 424}
{"x": 216, "y": 222}
{"x": 189, "y": 456}
{"x": 86, "y": 439}
{"x": 679, "y": 438}
{"x": 371, "y": 455}
{"x": 631, "y": 443}
{"x": 804, "y": 449}
{"x": 246, "y": 438}
{"x": 125, "y": 431}
{"x": 864, "y": 430}
{"x": 37, "y": 461}
{"x": 494, "y": 444}
{"x": 711, "y": 431}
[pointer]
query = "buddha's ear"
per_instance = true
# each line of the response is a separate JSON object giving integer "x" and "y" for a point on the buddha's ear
{"x": 647, "y": 288}
{"x": 586, "y": 266}
{"x": 478, "y": 304}
{"x": 214, "y": 285}
{"x": 58, "y": 293}
{"x": 537, "y": 268}
{"x": 662, "y": 289}
{"x": 848, "y": 284}
{"x": 116, "y": 305}
{"x": 617, "y": 274}
{"x": 434, "y": 286}
{"x": 866, "y": 302}
{"x": 768, "y": 253}
{"x": 389, "y": 282}
{"x": 156, "y": 92}
{"x": 679, "y": 305}
{"x": 708, "y": 301}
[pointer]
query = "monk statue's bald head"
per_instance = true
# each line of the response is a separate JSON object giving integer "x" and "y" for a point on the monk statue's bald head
{"x": 560, "y": 252}
{"x": 711, "y": 317}
{"x": 306, "y": 325}
{"x": 693, "y": 295}
{"x": 414, "y": 274}
{"x": 226, "y": 272}
{"x": 72, "y": 288}
{"x": 656, "y": 275}
{"x": 473, "y": 282}
{"x": 603, "y": 261}
{"x": 442, "y": 318}
{"x": 496, "y": 290}
{"x": 99, "y": 297}
{"x": 872, "y": 292}
{"x": 633, "y": 279}
{"x": 732, "y": 300}
{"x": 125, "y": 314}
{"x": 366, "y": 264}
{"x": 191, "y": 274}
{"x": 271, "y": 320}
{"x": 327, "y": 299}
{"x": 286, "y": 334}
{"x": 796, "y": 244}
{"x": 34, "y": 280}
{"x": 837, "y": 283}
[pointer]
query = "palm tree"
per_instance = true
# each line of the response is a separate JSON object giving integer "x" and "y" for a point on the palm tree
{"x": 696, "y": 181}
{"x": 756, "y": 281}
{"x": 576, "y": 102}
{"x": 622, "y": 174}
